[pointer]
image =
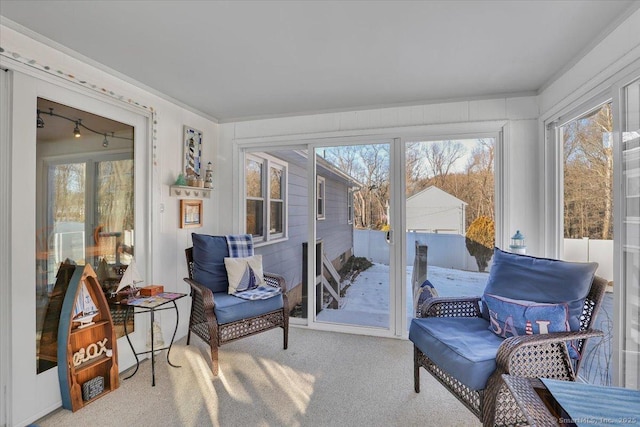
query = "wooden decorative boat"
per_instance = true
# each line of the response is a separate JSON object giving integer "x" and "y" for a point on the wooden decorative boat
{"x": 87, "y": 351}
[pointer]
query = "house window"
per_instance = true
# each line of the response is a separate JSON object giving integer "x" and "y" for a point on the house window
{"x": 320, "y": 194}
{"x": 350, "y": 206}
{"x": 266, "y": 179}
{"x": 276, "y": 200}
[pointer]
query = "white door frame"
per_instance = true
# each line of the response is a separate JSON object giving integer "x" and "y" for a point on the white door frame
{"x": 31, "y": 396}
{"x": 395, "y": 280}
{"x": 5, "y": 246}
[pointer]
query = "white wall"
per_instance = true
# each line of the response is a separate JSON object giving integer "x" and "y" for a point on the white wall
{"x": 163, "y": 162}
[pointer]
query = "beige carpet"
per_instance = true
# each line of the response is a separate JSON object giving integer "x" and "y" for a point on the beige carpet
{"x": 323, "y": 379}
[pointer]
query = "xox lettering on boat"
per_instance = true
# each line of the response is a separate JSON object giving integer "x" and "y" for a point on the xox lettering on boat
{"x": 92, "y": 351}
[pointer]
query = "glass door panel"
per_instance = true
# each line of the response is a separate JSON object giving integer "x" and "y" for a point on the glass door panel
{"x": 352, "y": 227}
{"x": 449, "y": 216}
{"x": 85, "y": 210}
{"x": 630, "y": 236}
{"x": 113, "y": 232}
{"x": 64, "y": 243}
{"x": 587, "y": 166}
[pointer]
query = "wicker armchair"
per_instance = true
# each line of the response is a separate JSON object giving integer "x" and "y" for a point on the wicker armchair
{"x": 528, "y": 356}
{"x": 204, "y": 323}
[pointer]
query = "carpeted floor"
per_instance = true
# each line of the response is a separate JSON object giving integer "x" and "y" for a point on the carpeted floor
{"x": 323, "y": 379}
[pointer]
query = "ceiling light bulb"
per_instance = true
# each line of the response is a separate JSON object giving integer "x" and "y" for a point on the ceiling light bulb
{"x": 76, "y": 130}
{"x": 105, "y": 143}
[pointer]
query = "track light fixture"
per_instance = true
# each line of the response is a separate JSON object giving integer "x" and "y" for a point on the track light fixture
{"x": 76, "y": 130}
{"x": 39, "y": 121}
{"x": 77, "y": 125}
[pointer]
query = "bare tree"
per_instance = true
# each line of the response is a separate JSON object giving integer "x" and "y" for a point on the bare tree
{"x": 440, "y": 157}
{"x": 369, "y": 164}
{"x": 588, "y": 175}
{"x": 416, "y": 169}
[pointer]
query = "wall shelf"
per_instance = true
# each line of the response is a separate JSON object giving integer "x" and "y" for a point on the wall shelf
{"x": 182, "y": 191}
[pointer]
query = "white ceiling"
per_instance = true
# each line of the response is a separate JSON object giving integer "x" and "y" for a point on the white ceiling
{"x": 248, "y": 59}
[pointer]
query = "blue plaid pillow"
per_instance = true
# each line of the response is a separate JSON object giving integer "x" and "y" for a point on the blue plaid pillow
{"x": 509, "y": 317}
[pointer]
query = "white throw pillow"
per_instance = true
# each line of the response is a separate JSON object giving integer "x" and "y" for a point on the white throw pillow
{"x": 244, "y": 273}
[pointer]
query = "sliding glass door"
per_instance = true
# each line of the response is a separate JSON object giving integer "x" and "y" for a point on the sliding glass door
{"x": 450, "y": 215}
{"x": 628, "y": 246}
{"x": 353, "y": 282}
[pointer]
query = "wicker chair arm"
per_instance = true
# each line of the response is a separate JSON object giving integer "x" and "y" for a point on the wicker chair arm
{"x": 201, "y": 291}
{"x": 276, "y": 280}
{"x": 532, "y": 355}
{"x": 451, "y": 307}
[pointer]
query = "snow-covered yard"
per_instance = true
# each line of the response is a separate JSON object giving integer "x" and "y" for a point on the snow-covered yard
{"x": 366, "y": 301}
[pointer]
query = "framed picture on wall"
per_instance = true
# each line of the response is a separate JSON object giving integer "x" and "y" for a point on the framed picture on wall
{"x": 192, "y": 157}
{"x": 190, "y": 213}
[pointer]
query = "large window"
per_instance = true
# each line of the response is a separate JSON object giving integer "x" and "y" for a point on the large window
{"x": 266, "y": 183}
{"x": 588, "y": 176}
{"x": 585, "y": 150}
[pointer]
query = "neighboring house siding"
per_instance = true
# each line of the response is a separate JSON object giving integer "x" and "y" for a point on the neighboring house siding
{"x": 285, "y": 257}
{"x": 435, "y": 211}
{"x": 336, "y": 233}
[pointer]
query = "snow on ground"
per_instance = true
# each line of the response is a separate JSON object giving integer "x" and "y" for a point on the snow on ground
{"x": 366, "y": 301}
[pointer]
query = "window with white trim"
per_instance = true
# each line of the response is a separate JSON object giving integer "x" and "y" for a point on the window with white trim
{"x": 265, "y": 197}
{"x": 350, "y": 206}
{"x": 320, "y": 195}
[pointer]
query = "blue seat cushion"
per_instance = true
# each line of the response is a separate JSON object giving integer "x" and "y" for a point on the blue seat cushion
{"x": 543, "y": 280}
{"x": 229, "y": 308}
{"x": 464, "y": 347}
{"x": 209, "y": 253}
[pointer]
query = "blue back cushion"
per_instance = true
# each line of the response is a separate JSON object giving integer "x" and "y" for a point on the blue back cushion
{"x": 543, "y": 280}
{"x": 208, "y": 261}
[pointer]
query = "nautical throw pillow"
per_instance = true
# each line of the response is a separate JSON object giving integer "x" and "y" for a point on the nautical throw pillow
{"x": 509, "y": 317}
{"x": 244, "y": 273}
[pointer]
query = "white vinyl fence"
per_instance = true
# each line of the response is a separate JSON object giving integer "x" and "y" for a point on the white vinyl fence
{"x": 445, "y": 250}
{"x": 591, "y": 250}
{"x": 450, "y": 251}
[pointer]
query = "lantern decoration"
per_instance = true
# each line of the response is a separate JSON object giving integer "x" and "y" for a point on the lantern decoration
{"x": 517, "y": 245}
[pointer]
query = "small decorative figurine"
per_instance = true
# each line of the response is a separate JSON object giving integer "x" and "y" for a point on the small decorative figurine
{"x": 208, "y": 177}
{"x": 517, "y": 245}
{"x": 181, "y": 180}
